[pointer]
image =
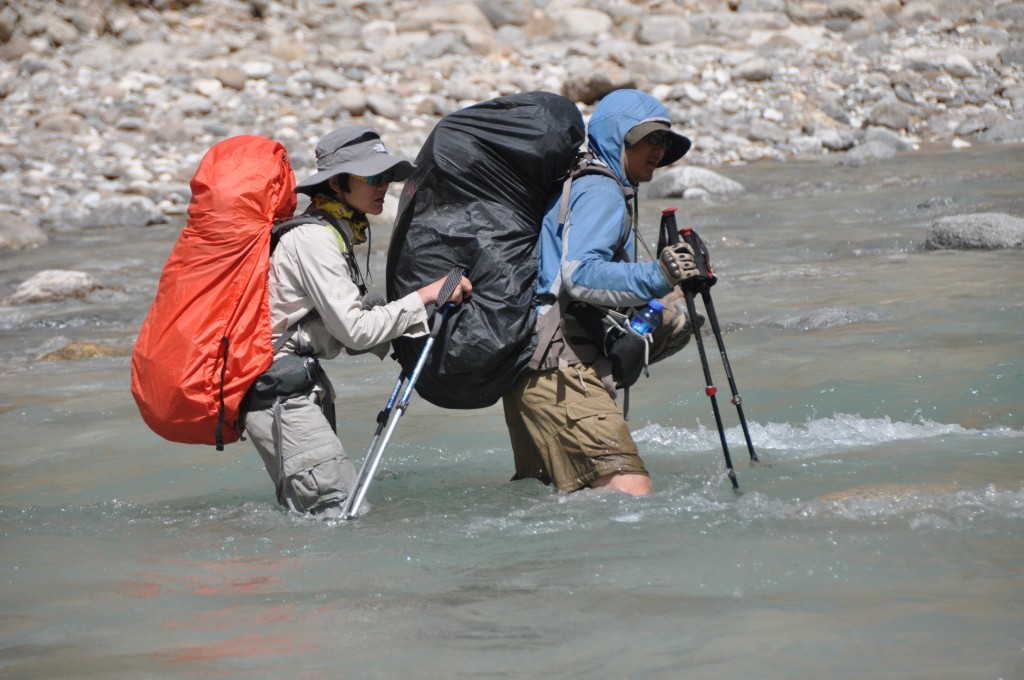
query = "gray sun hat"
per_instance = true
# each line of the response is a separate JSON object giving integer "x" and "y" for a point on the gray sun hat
{"x": 680, "y": 144}
{"x": 354, "y": 150}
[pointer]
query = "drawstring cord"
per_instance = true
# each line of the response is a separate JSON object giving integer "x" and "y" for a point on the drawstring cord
{"x": 579, "y": 375}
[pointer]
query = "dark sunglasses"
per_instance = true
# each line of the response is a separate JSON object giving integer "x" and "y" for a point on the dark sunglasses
{"x": 660, "y": 138}
{"x": 374, "y": 180}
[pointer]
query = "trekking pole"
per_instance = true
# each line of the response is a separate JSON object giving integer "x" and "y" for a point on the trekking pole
{"x": 670, "y": 235}
{"x": 358, "y": 492}
{"x": 711, "y": 390}
{"x": 372, "y": 453}
{"x": 691, "y": 237}
{"x": 709, "y": 307}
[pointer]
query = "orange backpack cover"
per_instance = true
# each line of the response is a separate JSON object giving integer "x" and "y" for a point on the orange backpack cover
{"x": 207, "y": 336}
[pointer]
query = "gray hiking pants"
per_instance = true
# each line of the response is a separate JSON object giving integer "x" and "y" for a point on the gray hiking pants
{"x": 312, "y": 473}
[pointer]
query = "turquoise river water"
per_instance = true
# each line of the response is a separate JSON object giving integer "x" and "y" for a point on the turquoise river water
{"x": 882, "y": 535}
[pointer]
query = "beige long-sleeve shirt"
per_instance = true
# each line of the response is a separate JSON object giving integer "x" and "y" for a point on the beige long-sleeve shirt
{"x": 308, "y": 272}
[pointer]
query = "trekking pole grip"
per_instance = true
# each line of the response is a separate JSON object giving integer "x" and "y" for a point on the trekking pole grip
{"x": 450, "y": 285}
{"x": 444, "y": 304}
{"x": 670, "y": 234}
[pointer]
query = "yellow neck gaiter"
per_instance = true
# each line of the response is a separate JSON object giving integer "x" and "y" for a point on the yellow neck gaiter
{"x": 341, "y": 211}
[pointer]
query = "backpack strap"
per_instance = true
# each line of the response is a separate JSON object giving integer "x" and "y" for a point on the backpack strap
{"x": 327, "y": 220}
{"x": 288, "y": 333}
{"x": 588, "y": 164}
{"x": 553, "y": 325}
{"x": 314, "y": 217}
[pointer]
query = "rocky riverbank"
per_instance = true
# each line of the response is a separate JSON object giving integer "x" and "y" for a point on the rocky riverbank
{"x": 108, "y": 105}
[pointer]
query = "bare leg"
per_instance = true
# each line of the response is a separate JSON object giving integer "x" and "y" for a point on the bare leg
{"x": 636, "y": 485}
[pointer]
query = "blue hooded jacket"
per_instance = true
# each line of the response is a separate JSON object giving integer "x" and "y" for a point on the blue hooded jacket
{"x": 579, "y": 257}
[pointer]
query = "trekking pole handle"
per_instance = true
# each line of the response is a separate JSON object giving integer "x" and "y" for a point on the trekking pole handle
{"x": 671, "y": 235}
{"x": 669, "y": 230}
{"x": 444, "y": 303}
{"x": 705, "y": 274}
{"x": 451, "y": 283}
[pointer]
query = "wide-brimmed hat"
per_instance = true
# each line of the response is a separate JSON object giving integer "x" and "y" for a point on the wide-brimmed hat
{"x": 676, "y": 150}
{"x": 354, "y": 150}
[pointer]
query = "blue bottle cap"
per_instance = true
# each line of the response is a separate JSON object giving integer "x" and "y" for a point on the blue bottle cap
{"x": 656, "y": 306}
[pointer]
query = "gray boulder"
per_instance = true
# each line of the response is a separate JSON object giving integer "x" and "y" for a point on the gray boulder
{"x": 890, "y": 113}
{"x": 868, "y": 152}
{"x": 675, "y": 183}
{"x": 123, "y": 211}
{"x": 980, "y": 231}
{"x": 51, "y": 285}
{"x": 754, "y": 70}
{"x": 1011, "y": 132}
{"x": 837, "y": 140}
{"x": 505, "y": 12}
{"x": 18, "y": 234}
{"x": 661, "y": 28}
{"x": 887, "y": 137}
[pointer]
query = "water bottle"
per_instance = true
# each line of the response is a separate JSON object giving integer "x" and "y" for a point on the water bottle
{"x": 646, "y": 320}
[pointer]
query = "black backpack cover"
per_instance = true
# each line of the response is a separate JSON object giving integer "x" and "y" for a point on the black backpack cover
{"x": 483, "y": 181}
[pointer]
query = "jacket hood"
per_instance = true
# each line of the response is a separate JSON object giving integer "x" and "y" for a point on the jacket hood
{"x": 617, "y": 114}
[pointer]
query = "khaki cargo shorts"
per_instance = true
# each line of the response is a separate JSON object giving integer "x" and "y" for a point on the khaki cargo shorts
{"x": 566, "y": 430}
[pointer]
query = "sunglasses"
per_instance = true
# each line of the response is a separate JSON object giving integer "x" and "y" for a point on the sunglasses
{"x": 660, "y": 138}
{"x": 375, "y": 180}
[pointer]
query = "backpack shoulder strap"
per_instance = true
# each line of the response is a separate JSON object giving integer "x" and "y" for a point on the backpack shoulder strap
{"x": 324, "y": 219}
{"x": 281, "y": 228}
{"x": 587, "y": 164}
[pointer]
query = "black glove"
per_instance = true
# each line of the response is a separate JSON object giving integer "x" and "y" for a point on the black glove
{"x": 374, "y": 299}
{"x": 676, "y": 263}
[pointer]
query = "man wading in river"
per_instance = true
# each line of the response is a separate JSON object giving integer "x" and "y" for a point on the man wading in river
{"x": 565, "y": 427}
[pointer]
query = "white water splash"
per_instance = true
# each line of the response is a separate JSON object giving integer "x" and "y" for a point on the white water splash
{"x": 921, "y": 507}
{"x": 823, "y": 435}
